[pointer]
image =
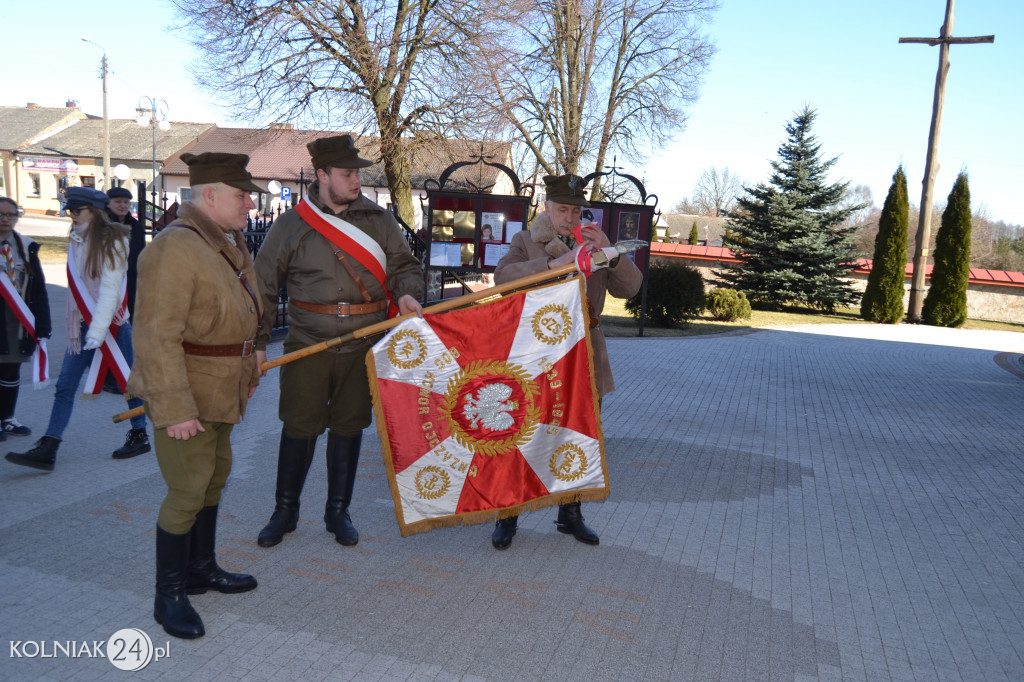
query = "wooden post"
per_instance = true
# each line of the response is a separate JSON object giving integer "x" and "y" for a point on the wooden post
{"x": 931, "y": 166}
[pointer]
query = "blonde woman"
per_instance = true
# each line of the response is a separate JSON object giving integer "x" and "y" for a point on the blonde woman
{"x": 97, "y": 319}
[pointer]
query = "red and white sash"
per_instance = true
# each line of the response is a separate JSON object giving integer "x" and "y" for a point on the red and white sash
{"x": 109, "y": 358}
{"x": 40, "y": 363}
{"x": 353, "y": 241}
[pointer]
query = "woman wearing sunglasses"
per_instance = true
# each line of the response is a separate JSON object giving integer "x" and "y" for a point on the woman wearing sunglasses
{"x": 97, "y": 320}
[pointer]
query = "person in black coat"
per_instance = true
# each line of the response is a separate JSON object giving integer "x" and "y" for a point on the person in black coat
{"x": 119, "y": 211}
{"x": 20, "y": 262}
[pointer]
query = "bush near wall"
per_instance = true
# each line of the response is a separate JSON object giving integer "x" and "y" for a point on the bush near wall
{"x": 727, "y": 305}
{"x": 675, "y": 294}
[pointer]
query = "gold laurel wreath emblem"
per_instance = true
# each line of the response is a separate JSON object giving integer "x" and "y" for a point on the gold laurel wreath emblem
{"x": 405, "y": 337}
{"x": 427, "y": 488}
{"x": 503, "y": 370}
{"x": 552, "y": 324}
{"x": 563, "y": 460}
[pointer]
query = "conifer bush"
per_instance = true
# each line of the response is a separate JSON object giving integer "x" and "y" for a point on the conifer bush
{"x": 883, "y": 296}
{"x": 675, "y": 294}
{"x": 727, "y": 305}
{"x": 945, "y": 305}
{"x": 694, "y": 237}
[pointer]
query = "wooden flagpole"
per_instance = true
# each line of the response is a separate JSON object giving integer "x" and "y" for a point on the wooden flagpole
{"x": 379, "y": 327}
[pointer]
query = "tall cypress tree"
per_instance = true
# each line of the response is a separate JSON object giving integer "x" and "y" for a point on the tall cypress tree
{"x": 787, "y": 234}
{"x": 945, "y": 305}
{"x": 883, "y": 297}
{"x": 694, "y": 237}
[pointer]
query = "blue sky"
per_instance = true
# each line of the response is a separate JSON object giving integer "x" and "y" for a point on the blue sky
{"x": 873, "y": 95}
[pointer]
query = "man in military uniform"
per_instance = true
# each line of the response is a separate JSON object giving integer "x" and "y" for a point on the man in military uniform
{"x": 550, "y": 244}
{"x": 195, "y": 367}
{"x": 346, "y": 265}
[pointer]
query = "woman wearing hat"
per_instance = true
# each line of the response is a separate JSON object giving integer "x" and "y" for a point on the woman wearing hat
{"x": 19, "y": 257}
{"x": 97, "y": 260}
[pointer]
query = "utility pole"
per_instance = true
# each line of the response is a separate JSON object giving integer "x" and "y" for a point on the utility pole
{"x": 106, "y": 119}
{"x": 931, "y": 166}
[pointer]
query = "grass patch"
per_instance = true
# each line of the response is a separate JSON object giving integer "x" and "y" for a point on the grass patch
{"x": 615, "y": 321}
{"x": 52, "y": 249}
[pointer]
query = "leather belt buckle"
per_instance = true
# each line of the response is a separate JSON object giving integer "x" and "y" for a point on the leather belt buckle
{"x": 248, "y": 347}
{"x": 344, "y": 307}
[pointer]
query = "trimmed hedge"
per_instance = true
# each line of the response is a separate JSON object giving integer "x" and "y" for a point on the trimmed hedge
{"x": 727, "y": 305}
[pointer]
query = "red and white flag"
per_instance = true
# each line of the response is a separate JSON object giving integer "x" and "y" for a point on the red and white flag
{"x": 491, "y": 410}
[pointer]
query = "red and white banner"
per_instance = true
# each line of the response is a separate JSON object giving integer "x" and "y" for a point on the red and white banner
{"x": 108, "y": 357}
{"x": 491, "y": 410}
{"x": 40, "y": 360}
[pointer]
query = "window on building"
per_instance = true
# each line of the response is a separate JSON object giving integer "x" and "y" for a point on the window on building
{"x": 185, "y": 194}
{"x": 35, "y": 182}
{"x": 88, "y": 181}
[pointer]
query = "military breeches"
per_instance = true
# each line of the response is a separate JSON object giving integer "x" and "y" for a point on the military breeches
{"x": 195, "y": 471}
{"x": 325, "y": 391}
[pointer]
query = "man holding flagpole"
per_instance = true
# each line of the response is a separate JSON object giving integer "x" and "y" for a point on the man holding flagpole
{"x": 346, "y": 265}
{"x": 198, "y": 318}
{"x": 556, "y": 238}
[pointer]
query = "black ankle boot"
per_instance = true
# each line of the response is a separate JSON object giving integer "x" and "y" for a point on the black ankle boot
{"x": 42, "y": 456}
{"x": 342, "y": 459}
{"x": 570, "y": 520}
{"x": 504, "y": 530}
{"x": 203, "y": 572}
{"x": 137, "y": 443}
{"x": 171, "y": 607}
{"x": 293, "y": 458}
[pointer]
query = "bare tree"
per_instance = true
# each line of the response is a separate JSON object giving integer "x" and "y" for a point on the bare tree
{"x": 716, "y": 191}
{"x": 366, "y": 65}
{"x": 579, "y": 80}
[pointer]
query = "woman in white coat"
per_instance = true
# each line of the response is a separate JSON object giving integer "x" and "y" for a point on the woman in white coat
{"x": 98, "y": 260}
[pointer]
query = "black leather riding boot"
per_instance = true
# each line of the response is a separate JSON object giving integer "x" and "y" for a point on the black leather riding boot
{"x": 171, "y": 607}
{"x": 203, "y": 572}
{"x": 570, "y": 520}
{"x": 342, "y": 459}
{"x": 293, "y": 458}
{"x": 504, "y": 530}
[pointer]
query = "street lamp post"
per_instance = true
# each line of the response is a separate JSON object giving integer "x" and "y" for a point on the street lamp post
{"x": 156, "y": 117}
{"x": 106, "y": 119}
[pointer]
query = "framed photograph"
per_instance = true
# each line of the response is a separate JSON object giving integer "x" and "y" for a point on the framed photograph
{"x": 629, "y": 226}
{"x": 492, "y": 227}
{"x": 593, "y": 215}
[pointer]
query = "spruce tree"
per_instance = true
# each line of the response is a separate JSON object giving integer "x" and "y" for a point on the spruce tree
{"x": 883, "y": 297}
{"x": 945, "y": 305}
{"x": 694, "y": 237}
{"x": 787, "y": 234}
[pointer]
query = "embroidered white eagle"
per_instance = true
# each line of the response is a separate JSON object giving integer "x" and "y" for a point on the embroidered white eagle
{"x": 490, "y": 408}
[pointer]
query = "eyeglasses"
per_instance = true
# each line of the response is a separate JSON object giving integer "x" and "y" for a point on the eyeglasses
{"x": 74, "y": 211}
{"x": 8, "y": 216}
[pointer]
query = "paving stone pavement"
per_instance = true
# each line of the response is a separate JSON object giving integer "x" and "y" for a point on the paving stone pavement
{"x": 800, "y": 503}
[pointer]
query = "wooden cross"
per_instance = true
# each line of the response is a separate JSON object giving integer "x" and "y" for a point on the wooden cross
{"x": 931, "y": 165}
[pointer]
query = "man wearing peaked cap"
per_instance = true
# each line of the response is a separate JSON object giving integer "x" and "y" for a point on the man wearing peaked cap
{"x": 197, "y": 317}
{"x": 119, "y": 211}
{"x": 550, "y": 244}
{"x": 346, "y": 265}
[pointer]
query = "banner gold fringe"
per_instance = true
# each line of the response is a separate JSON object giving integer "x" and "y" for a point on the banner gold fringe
{"x": 491, "y": 515}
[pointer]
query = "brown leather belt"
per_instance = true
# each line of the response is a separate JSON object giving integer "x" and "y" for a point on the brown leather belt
{"x": 231, "y": 350}
{"x": 342, "y": 309}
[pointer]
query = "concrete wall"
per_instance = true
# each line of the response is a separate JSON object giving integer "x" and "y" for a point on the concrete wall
{"x": 984, "y": 301}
